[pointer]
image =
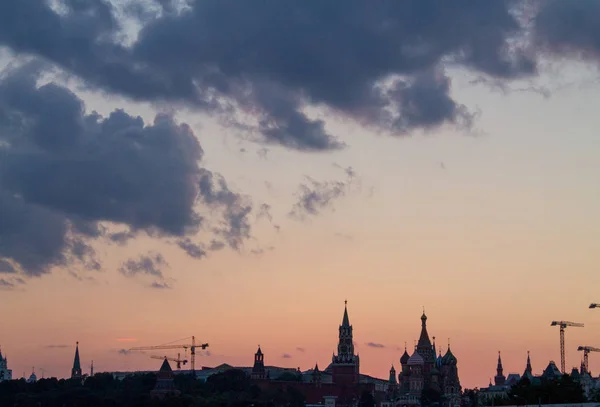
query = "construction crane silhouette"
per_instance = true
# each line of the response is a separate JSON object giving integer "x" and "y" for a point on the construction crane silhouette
{"x": 586, "y": 350}
{"x": 192, "y": 347}
{"x": 562, "y": 325}
{"x": 177, "y": 360}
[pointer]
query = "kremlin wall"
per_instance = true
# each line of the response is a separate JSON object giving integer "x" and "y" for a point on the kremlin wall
{"x": 423, "y": 370}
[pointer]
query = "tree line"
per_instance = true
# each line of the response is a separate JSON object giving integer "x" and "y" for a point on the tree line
{"x": 230, "y": 388}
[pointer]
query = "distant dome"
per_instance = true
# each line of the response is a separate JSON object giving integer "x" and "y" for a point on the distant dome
{"x": 416, "y": 359}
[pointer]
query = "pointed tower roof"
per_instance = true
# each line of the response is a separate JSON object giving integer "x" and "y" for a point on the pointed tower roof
{"x": 392, "y": 375}
{"x": 316, "y": 369}
{"x": 76, "y": 362}
{"x": 165, "y": 367}
{"x": 259, "y": 352}
{"x": 424, "y": 337}
{"x": 528, "y": 366}
{"x": 499, "y": 366}
{"x": 346, "y": 320}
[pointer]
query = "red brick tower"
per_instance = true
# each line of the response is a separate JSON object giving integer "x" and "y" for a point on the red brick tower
{"x": 345, "y": 365}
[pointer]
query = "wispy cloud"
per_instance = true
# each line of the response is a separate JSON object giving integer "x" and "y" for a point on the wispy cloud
{"x": 286, "y": 356}
{"x": 160, "y": 285}
{"x": 375, "y": 345}
{"x": 57, "y": 346}
{"x": 299, "y": 349}
{"x": 126, "y": 339}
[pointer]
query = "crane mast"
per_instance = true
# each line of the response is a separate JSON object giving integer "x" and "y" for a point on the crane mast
{"x": 586, "y": 351}
{"x": 563, "y": 325}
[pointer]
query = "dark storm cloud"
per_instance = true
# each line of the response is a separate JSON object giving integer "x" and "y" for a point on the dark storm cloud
{"x": 6, "y": 267}
{"x": 150, "y": 264}
{"x": 64, "y": 172}
{"x": 569, "y": 28}
{"x": 269, "y": 59}
{"x": 375, "y": 345}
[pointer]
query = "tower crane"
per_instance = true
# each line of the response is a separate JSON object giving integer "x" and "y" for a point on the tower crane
{"x": 562, "y": 325}
{"x": 177, "y": 360}
{"x": 192, "y": 347}
{"x": 586, "y": 350}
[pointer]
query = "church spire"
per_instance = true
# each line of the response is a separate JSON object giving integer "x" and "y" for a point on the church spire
{"x": 76, "y": 370}
{"x": 528, "y": 367}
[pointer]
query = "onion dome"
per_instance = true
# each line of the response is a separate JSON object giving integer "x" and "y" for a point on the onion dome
{"x": 415, "y": 360}
{"x": 404, "y": 358}
{"x": 449, "y": 358}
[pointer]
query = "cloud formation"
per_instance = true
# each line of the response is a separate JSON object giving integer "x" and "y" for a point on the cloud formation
{"x": 315, "y": 196}
{"x": 286, "y": 356}
{"x": 379, "y": 64}
{"x": 375, "y": 345}
{"x": 65, "y": 173}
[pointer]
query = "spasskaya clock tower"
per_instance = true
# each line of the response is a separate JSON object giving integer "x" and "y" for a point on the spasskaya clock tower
{"x": 345, "y": 365}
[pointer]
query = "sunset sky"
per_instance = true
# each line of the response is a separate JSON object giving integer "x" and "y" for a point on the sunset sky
{"x": 370, "y": 153}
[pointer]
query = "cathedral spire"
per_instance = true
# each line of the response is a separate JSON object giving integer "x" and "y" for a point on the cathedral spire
{"x": 76, "y": 370}
{"x": 424, "y": 338}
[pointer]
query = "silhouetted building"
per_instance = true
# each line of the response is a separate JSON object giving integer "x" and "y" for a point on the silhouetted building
{"x": 258, "y": 370}
{"x": 164, "y": 381}
{"x": 340, "y": 384}
{"x": 76, "y": 370}
{"x": 5, "y": 372}
{"x": 423, "y": 371}
{"x": 499, "y": 379}
{"x": 345, "y": 366}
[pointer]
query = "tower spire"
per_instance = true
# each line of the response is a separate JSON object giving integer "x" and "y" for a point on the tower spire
{"x": 346, "y": 320}
{"x": 76, "y": 370}
{"x": 424, "y": 337}
{"x": 528, "y": 366}
{"x": 499, "y": 380}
